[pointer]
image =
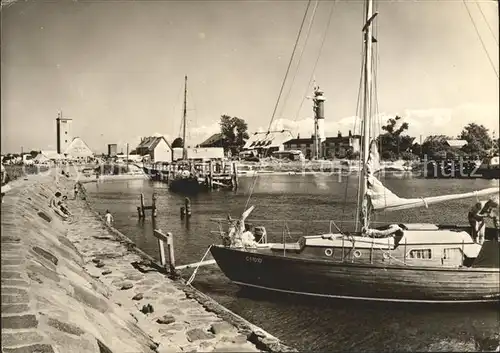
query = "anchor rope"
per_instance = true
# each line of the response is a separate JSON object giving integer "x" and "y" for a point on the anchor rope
{"x": 191, "y": 279}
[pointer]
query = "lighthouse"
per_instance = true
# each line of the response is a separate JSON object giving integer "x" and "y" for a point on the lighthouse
{"x": 319, "y": 122}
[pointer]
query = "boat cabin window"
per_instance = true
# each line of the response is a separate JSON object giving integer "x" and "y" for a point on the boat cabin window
{"x": 420, "y": 254}
{"x": 452, "y": 254}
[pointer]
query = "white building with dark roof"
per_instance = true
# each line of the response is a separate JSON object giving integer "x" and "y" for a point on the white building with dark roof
{"x": 456, "y": 143}
{"x": 264, "y": 143}
{"x": 78, "y": 149}
{"x": 156, "y": 147}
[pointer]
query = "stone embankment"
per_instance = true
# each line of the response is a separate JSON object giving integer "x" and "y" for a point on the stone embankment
{"x": 81, "y": 286}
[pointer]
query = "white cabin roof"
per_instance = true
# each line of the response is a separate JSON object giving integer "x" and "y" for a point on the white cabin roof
{"x": 414, "y": 237}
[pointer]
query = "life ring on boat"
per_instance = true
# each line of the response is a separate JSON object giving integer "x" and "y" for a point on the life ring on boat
{"x": 385, "y": 255}
{"x": 328, "y": 252}
{"x": 357, "y": 253}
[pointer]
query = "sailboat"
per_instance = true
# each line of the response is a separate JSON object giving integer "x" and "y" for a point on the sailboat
{"x": 405, "y": 262}
{"x": 185, "y": 181}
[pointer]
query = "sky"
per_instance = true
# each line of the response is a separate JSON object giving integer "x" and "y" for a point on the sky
{"x": 117, "y": 67}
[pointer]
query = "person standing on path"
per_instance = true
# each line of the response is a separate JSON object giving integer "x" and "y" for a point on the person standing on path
{"x": 75, "y": 191}
{"x": 477, "y": 217}
{"x": 109, "y": 218}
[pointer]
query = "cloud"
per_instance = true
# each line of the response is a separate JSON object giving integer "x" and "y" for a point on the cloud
{"x": 450, "y": 121}
{"x": 305, "y": 127}
{"x": 198, "y": 134}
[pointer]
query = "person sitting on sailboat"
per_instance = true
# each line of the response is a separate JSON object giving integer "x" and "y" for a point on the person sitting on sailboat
{"x": 239, "y": 233}
{"x": 478, "y": 214}
{"x": 247, "y": 238}
{"x": 235, "y": 231}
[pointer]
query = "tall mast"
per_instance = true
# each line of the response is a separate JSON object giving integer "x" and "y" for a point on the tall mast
{"x": 184, "y": 151}
{"x": 367, "y": 92}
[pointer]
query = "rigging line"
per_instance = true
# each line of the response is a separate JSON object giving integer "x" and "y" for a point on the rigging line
{"x": 487, "y": 23}
{"x": 356, "y": 119}
{"x": 317, "y": 59}
{"x": 175, "y": 106}
{"x": 481, "y": 39}
{"x": 308, "y": 33}
{"x": 195, "y": 122}
{"x": 360, "y": 160}
{"x": 289, "y": 65}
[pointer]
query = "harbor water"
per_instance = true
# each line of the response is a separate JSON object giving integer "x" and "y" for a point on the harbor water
{"x": 290, "y": 206}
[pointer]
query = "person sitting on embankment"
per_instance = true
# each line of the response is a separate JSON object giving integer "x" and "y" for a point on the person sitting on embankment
{"x": 55, "y": 205}
{"x": 63, "y": 207}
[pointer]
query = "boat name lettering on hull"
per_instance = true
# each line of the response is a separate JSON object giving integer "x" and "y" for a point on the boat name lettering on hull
{"x": 253, "y": 259}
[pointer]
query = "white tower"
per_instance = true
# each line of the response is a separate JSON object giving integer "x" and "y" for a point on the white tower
{"x": 64, "y": 133}
{"x": 319, "y": 122}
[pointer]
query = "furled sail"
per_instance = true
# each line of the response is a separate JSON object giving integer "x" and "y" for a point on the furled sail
{"x": 382, "y": 199}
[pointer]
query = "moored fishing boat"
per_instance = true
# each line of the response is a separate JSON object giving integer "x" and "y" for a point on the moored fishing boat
{"x": 185, "y": 181}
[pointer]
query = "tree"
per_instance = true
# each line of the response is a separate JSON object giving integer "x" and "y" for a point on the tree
{"x": 393, "y": 142}
{"x": 178, "y": 143}
{"x": 34, "y": 153}
{"x": 496, "y": 147}
{"x": 435, "y": 146}
{"x": 234, "y": 133}
{"x": 478, "y": 140}
{"x": 416, "y": 149}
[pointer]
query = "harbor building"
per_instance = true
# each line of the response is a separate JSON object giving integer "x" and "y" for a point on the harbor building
{"x": 78, "y": 150}
{"x": 216, "y": 140}
{"x": 265, "y": 143}
{"x": 64, "y": 132}
{"x": 112, "y": 149}
{"x": 199, "y": 153}
{"x": 155, "y": 148}
{"x": 332, "y": 147}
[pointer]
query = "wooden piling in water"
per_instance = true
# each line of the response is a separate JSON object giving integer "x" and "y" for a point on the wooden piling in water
{"x": 142, "y": 205}
{"x": 141, "y": 210}
{"x": 235, "y": 176}
{"x": 210, "y": 175}
{"x": 153, "y": 211}
{"x": 187, "y": 205}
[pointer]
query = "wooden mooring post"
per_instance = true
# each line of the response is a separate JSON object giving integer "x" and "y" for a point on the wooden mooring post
{"x": 210, "y": 174}
{"x": 186, "y": 209}
{"x": 169, "y": 239}
{"x": 141, "y": 210}
{"x": 234, "y": 176}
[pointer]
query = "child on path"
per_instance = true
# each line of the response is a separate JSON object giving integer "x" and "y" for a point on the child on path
{"x": 109, "y": 218}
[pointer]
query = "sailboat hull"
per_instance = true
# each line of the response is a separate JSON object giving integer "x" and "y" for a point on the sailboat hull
{"x": 357, "y": 281}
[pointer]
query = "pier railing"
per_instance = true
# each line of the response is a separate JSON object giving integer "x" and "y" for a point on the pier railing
{"x": 213, "y": 173}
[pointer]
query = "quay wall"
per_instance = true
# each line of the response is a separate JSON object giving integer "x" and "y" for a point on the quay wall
{"x": 82, "y": 286}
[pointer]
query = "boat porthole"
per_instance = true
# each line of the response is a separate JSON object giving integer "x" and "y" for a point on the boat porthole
{"x": 328, "y": 252}
{"x": 386, "y": 255}
{"x": 357, "y": 253}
